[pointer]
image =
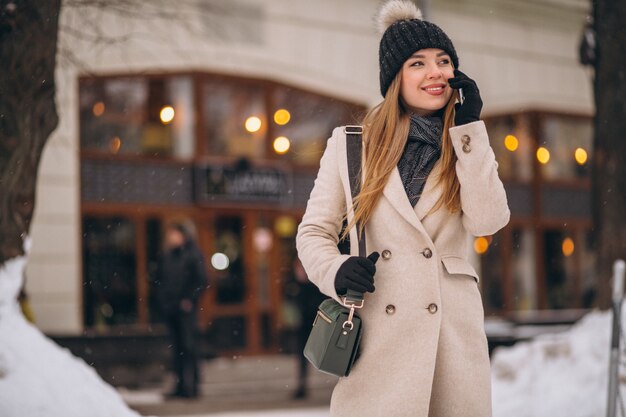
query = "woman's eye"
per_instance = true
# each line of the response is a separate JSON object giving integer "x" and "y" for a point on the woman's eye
{"x": 444, "y": 62}
{"x": 417, "y": 64}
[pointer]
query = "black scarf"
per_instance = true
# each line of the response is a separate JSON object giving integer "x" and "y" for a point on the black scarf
{"x": 423, "y": 148}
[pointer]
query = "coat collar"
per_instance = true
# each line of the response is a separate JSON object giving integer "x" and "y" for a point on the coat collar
{"x": 395, "y": 193}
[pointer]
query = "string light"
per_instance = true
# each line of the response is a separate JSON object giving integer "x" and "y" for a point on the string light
{"x": 253, "y": 124}
{"x": 281, "y": 145}
{"x": 568, "y": 246}
{"x": 167, "y": 114}
{"x": 543, "y": 155}
{"x": 511, "y": 143}
{"x": 481, "y": 244}
{"x": 580, "y": 155}
{"x": 282, "y": 117}
{"x": 98, "y": 109}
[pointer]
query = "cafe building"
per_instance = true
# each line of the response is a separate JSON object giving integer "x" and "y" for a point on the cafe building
{"x": 228, "y": 134}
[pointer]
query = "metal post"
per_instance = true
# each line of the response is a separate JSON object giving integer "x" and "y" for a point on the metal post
{"x": 618, "y": 294}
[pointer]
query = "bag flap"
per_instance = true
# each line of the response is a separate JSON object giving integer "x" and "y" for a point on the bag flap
{"x": 458, "y": 265}
{"x": 331, "y": 309}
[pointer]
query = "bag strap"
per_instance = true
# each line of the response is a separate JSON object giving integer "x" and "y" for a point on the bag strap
{"x": 354, "y": 146}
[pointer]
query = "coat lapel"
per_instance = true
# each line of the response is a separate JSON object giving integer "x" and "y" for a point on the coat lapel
{"x": 395, "y": 193}
{"x": 431, "y": 193}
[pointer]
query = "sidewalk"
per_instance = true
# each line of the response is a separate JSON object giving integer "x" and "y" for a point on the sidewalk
{"x": 241, "y": 384}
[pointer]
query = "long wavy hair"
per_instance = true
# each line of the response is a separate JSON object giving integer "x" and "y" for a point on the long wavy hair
{"x": 385, "y": 132}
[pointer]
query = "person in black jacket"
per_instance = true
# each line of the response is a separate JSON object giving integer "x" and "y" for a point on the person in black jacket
{"x": 181, "y": 277}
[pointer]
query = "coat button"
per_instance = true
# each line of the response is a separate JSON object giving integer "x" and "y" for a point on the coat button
{"x": 432, "y": 308}
{"x": 427, "y": 253}
{"x": 465, "y": 140}
{"x": 386, "y": 254}
{"x": 390, "y": 309}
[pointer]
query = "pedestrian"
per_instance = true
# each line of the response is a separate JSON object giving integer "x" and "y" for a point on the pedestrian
{"x": 307, "y": 297}
{"x": 429, "y": 181}
{"x": 181, "y": 277}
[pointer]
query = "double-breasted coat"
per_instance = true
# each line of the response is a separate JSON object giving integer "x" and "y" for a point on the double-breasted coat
{"x": 424, "y": 349}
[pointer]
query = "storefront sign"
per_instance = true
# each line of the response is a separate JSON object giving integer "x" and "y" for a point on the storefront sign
{"x": 230, "y": 184}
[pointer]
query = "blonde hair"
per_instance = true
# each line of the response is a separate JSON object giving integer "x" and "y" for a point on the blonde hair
{"x": 385, "y": 132}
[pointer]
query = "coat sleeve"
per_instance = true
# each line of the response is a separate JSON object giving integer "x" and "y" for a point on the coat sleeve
{"x": 318, "y": 233}
{"x": 483, "y": 198}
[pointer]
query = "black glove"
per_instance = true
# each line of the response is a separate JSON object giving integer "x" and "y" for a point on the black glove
{"x": 356, "y": 273}
{"x": 469, "y": 111}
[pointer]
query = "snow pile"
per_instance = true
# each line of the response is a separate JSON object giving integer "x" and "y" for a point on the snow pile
{"x": 563, "y": 374}
{"x": 37, "y": 377}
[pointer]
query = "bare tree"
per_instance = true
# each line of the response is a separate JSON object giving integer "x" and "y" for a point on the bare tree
{"x": 29, "y": 30}
{"x": 609, "y": 173}
{"x": 28, "y": 50}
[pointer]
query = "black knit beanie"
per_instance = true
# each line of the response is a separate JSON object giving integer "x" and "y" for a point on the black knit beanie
{"x": 404, "y": 34}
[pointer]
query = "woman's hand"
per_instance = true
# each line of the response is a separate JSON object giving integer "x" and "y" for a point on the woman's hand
{"x": 469, "y": 110}
{"x": 357, "y": 274}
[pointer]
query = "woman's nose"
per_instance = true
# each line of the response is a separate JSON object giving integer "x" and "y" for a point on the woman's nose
{"x": 434, "y": 74}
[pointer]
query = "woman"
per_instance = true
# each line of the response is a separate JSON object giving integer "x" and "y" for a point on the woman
{"x": 429, "y": 181}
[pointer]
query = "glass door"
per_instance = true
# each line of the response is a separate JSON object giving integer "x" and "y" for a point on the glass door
{"x": 240, "y": 311}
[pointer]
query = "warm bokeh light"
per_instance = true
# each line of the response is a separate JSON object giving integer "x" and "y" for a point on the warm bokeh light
{"x": 167, "y": 114}
{"x": 543, "y": 155}
{"x": 253, "y": 124}
{"x": 285, "y": 226}
{"x": 281, "y": 145}
{"x": 567, "y": 246}
{"x": 481, "y": 244}
{"x": 98, "y": 109}
{"x": 580, "y": 155}
{"x": 220, "y": 261}
{"x": 282, "y": 117}
{"x": 115, "y": 144}
{"x": 511, "y": 143}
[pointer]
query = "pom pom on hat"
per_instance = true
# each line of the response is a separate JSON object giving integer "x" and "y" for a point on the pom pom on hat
{"x": 395, "y": 10}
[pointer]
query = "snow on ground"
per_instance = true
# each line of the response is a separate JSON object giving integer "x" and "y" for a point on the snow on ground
{"x": 563, "y": 374}
{"x": 555, "y": 375}
{"x": 312, "y": 412}
{"x": 37, "y": 377}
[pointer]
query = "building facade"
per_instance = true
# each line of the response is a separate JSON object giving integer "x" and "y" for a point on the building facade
{"x": 220, "y": 113}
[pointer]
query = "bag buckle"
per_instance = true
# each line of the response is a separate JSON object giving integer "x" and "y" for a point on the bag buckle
{"x": 350, "y": 303}
{"x": 348, "y": 325}
{"x": 353, "y": 130}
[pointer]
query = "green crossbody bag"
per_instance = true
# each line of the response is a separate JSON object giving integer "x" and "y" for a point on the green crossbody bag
{"x": 333, "y": 344}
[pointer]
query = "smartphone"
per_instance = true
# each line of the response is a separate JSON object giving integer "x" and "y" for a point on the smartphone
{"x": 461, "y": 96}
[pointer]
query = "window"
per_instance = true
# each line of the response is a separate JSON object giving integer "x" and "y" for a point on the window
{"x": 523, "y": 266}
{"x": 155, "y": 116}
{"x": 230, "y": 278}
{"x": 559, "y": 268}
{"x": 234, "y": 118}
{"x": 303, "y": 122}
{"x": 137, "y": 116}
{"x": 513, "y": 145}
{"x": 109, "y": 271}
{"x": 154, "y": 250}
{"x": 568, "y": 141}
{"x": 492, "y": 267}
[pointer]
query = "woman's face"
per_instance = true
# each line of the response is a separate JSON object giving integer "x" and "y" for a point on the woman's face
{"x": 424, "y": 77}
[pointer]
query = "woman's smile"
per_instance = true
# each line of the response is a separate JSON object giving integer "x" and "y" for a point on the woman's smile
{"x": 435, "y": 89}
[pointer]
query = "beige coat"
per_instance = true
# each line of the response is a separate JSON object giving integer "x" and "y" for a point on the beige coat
{"x": 424, "y": 350}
